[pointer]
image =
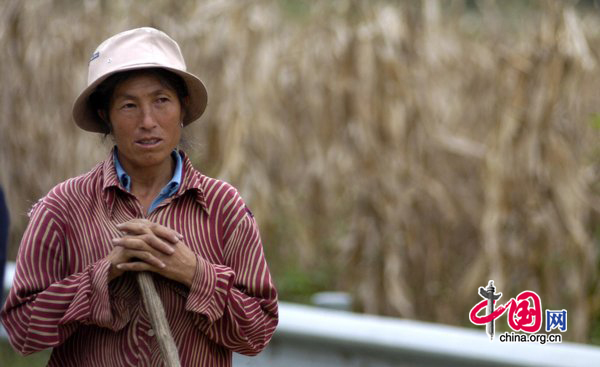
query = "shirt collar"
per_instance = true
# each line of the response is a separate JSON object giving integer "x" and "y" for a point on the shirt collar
{"x": 168, "y": 190}
{"x": 190, "y": 179}
{"x": 193, "y": 180}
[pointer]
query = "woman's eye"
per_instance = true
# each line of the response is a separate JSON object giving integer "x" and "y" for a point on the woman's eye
{"x": 162, "y": 99}
{"x": 128, "y": 106}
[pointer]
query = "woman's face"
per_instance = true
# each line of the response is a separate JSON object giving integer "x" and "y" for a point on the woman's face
{"x": 146, "y": 120}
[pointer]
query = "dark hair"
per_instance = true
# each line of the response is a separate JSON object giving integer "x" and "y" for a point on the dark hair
{"x": 100, "y": 99}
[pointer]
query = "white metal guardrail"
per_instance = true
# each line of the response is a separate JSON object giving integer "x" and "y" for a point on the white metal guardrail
{"x": 310, "y": 336}
{"x": 315, "y": 337}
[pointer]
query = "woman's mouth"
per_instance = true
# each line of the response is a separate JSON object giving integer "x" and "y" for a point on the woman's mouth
{"x": 149, "y": 142}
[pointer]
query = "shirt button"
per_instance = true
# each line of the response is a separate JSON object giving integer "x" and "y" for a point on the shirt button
{"x": 150, "y": 332}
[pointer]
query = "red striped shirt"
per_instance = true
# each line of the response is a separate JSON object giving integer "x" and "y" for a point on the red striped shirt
{"x": 60, "y": 297}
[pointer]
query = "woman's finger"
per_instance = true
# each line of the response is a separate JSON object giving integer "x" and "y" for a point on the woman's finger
{"x": 141, "y": 256}
{"x": 158, "y": 243}
{"x": 144, "y": 243}
{"x": 134, "y": 227}
{"x": 142, "y": 226}
{"x": 130, "y": 242}
{"x": 166, "y": 233}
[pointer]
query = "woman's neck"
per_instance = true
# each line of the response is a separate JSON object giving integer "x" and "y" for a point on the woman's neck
{"x": 146, "y": 182}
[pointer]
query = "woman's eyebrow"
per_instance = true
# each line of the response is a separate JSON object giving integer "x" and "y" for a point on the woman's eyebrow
{"x": 123, "y": 96}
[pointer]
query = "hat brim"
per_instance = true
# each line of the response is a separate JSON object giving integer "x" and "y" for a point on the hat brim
{"x": 89, "y": 120}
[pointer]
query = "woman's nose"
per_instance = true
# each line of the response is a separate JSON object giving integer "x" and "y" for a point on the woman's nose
{"x": 148, "y": 118}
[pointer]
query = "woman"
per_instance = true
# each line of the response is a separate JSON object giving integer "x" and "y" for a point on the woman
{"x": 145, "y": 208}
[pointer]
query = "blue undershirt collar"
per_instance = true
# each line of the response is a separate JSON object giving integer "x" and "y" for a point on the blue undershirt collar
{"x": 167, "y": 191}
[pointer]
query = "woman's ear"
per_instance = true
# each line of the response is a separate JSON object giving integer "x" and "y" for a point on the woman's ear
{"x": 105, "y": 119}
{"x": 102, "y": 115}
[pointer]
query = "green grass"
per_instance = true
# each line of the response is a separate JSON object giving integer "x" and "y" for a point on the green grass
{"x": 8, "y": 357}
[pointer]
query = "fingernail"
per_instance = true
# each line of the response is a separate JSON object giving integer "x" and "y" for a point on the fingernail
{"x": 162, "y": 265}
{"x": 171, "y": 251}
{"x": 114, "y": 240}
{"x": 119, "y": 266}
{"x": 180, "y": 236}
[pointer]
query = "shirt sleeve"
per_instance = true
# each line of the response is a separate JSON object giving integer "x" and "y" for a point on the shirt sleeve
{"x": 237, "y": 299}
{"x": 46, "y": 304}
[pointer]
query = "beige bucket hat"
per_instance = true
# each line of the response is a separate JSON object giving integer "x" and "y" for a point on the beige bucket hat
{"x": 138, "y": 48}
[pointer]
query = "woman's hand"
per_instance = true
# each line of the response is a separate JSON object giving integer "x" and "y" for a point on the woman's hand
{"x": 148, "y": 246}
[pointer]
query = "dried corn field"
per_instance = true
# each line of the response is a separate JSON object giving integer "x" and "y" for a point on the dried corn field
{"x": 406, "y": 152}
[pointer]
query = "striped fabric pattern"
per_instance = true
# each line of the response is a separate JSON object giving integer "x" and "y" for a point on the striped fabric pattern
{"x": 60, "y": 297}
